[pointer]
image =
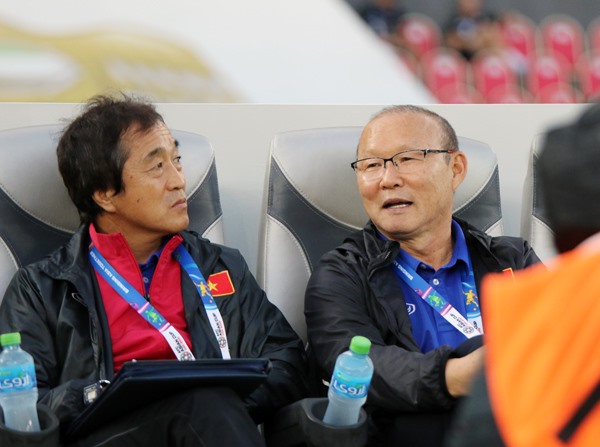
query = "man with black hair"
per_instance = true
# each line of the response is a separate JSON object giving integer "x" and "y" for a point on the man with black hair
{"x": 123, "y": 170}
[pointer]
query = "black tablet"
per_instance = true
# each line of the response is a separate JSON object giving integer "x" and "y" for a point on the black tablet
{"x": 141, "y": 382}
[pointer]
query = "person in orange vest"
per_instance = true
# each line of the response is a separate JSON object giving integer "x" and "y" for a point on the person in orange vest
{"x": 541, "y": 385}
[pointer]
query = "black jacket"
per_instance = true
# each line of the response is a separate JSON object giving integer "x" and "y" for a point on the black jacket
{"x": 56, "y": 305}
{"x": 347, "y": 294}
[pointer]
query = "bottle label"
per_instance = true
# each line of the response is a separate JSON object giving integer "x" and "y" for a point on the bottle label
{"x": 349, "y": 387}
{"x": 17, "y": 378}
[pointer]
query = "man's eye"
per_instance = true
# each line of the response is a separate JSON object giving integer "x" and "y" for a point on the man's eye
{"x": 407, "y": 158}
{"x": 158, "y": 165}
{"x": 371, "y": 165}
{"x": 177, "y": 160}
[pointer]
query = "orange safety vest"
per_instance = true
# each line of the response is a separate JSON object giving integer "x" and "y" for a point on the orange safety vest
{"x": 543, "y": 351}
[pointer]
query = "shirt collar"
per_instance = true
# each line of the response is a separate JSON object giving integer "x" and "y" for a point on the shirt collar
{"x": 114, "y": 245}
{"x": 153, "y": 259}
{"x": 459, "y": 253}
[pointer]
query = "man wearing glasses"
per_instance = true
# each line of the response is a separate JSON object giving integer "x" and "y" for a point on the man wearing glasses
{"x": 408, "y": 281}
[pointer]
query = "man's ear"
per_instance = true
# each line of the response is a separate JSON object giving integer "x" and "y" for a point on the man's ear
{"x": 104, "y": 199}
{"x": 459, "y": 169}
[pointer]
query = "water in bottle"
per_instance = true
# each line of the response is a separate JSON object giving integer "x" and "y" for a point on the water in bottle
{"x": 349, "y": 384}
{"x": 18, "y": 385}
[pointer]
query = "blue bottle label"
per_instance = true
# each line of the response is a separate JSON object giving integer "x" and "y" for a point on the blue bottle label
{"x": 17, "y": 378}
{"x": 349, "y": 387}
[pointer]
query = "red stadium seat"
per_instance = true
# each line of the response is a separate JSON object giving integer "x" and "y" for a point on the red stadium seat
{"x": 587, "y": 72}
{"x": 490, "y": 72}
{"x": 419, "y": 33}
{"x": 559, "y": 93}
{"x": 547, "y": 69}
{"x": 459, "y": 94}
{"x": 519, "y": 34}
{"x": 511, "y": 94}
{"x": 442, "y": 68}
{"x": 563, "y": 35}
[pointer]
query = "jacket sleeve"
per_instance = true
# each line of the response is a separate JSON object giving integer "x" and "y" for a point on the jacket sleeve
{"x": 529, "y": 255}
{"x": 23, "y": 310}
{"x": 513, "y": 252}
{"x": 267, "y": 334}
{"x": 338, "y": 306}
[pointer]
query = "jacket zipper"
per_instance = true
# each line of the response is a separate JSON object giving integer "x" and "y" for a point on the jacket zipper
{"x": 93, "y": 336}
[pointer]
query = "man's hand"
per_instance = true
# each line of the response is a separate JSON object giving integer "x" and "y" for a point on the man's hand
{"x": 461, "y": 371}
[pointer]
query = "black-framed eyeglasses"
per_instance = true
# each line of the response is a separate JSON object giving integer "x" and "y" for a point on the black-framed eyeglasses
{"x": 404, "y": 162}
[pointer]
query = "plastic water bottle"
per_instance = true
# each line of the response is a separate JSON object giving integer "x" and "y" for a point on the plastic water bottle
{"x": 349, "y": 384}
{"x": 18, "y": 385}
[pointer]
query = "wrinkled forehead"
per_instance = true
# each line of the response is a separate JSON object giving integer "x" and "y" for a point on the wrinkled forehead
{"x": 394, "y": 132}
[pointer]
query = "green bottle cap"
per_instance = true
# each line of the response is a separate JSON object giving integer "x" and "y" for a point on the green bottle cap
{"x": 360, "y": 344}
{"x": 11, "y": 338}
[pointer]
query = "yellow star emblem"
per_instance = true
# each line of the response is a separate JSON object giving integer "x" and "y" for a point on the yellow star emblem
{"x": 203, "y": 290}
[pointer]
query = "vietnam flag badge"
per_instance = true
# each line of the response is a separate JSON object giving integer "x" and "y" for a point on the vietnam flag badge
{"x": 220, "y": 284}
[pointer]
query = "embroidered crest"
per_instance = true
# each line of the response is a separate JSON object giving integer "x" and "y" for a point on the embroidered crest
{"x": 220, "y": 284}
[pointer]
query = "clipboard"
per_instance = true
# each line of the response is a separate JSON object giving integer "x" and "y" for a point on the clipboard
{"x": 139, "y": 383}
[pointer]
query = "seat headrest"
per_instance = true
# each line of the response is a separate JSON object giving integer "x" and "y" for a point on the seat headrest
{"x": 535, "y": 227}
{"x": 316, "y": 164}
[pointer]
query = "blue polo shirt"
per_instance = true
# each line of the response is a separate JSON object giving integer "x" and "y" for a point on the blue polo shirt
{"x": 430, "y": 329}
{"x": 148, "y": 268}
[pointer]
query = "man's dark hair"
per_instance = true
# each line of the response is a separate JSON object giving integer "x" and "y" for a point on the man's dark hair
{"x": 90, "y": 153}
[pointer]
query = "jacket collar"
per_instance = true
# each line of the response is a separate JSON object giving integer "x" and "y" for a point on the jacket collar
{"x": 114, "y": 246}
{"x": 71, "y": 263}
{"x": 380, "y": 253}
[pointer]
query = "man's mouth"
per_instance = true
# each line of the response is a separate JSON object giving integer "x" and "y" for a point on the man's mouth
{"x": 180, "y": 202}
{"x": 396, "y": 203}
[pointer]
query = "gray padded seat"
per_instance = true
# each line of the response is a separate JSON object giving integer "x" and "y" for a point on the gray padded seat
{"x": 312, "y": 203}
{"x": 37, "y": 215}
{"x": 534, "y": 222}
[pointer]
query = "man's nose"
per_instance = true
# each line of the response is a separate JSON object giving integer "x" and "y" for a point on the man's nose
{"x": 176, "y": 177}
{"x": 389, "y": 171}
